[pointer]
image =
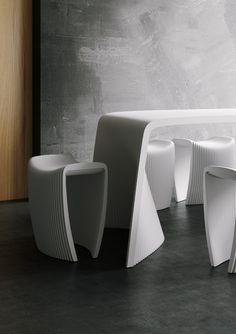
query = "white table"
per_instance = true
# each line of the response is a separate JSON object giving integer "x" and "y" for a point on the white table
{"x": 121, "y": 143}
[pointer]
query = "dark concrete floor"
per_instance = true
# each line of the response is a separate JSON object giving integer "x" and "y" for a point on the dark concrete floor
{"x": 173, "y": 291}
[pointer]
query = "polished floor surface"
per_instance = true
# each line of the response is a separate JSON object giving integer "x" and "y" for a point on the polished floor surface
{"x": 173, "y": 291}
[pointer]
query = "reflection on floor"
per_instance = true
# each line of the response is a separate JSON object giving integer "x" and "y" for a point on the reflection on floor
{"x": 173, "y": 291}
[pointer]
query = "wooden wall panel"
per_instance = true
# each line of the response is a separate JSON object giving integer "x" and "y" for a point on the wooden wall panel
{"x": 15, "y": 96}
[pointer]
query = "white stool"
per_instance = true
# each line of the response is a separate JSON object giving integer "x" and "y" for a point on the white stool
{"x": 67, "y": 204}
{"x": 160, "y": 171}
{"x": 191, "y": 157}
{"x": 219, "y": 212}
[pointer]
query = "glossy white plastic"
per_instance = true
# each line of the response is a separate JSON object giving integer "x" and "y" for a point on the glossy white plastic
{"x": 160, "y": 171}
{"x": 67, "y": 204}
{"x": 191, "y": 159}
{"x": 219, "y": 211}
{"x": 121, "y": 143}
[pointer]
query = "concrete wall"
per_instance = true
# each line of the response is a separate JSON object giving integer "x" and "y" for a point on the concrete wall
{"x": 100, "y": 56}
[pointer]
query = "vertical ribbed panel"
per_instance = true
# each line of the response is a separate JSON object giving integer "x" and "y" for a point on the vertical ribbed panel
{"x": 183, "y": 153}
{"x": 232, "y": 261}
{"x": 215, "y": 151}
{"x": 47, "y": 213}
{"x": 233, "y": 269}
{"x": 160, "y": 172}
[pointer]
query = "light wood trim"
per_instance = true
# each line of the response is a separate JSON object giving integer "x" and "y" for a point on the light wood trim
{"x": 15, "y": 96}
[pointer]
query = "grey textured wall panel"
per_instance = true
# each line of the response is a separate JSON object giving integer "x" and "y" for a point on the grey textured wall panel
{"x": 100, "y": 56}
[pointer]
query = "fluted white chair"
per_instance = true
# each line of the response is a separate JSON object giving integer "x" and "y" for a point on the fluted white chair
{"x": 219, "y": 212}
{"x": 160, "y": 171}
{"x": 191, "y": 157}
{"x": 67, "y": 204}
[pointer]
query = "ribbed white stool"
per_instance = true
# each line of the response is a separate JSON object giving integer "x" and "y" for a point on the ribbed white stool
{"x": 219, "y": 212}
{"x": 160, "y": 171}
{"x": 191, "y": 157}
{"x": 67, "y": 204}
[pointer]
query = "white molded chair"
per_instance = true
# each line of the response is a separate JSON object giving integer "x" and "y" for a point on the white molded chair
{"x": 67, "y": 204}
{"x": 160, "y": 171}
{"x": 191, "y": 159}
{"x": 219, "y": 212}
